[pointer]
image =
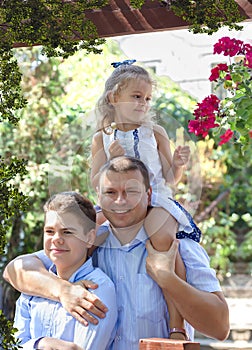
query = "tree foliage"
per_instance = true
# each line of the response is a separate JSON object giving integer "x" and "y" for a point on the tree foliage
{"x": 6, "y": 336}
{"x": 208, "y": 16}
{"x": 205, "y": 16}
{"x": 11, "y": 199}
{"x": 61, "y": 27}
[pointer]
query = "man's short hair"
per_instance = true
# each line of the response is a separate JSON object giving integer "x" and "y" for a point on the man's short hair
{"x": 124, "y": 164}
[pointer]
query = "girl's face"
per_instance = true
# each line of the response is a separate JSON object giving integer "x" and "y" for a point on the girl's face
{"x": 133, "y": 102}
{"x": 65, "y": 242}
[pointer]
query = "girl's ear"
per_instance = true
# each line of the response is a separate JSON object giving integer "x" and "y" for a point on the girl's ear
{"x": 111, "y": 97}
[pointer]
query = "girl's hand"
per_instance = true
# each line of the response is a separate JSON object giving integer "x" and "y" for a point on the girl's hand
{"x": 115, "y": 149}
{"x": 181, "y": 156}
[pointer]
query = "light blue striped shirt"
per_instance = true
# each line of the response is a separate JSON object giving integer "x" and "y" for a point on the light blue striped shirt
{"x": 142, "y": 310}
{"x": 39, "y": 317}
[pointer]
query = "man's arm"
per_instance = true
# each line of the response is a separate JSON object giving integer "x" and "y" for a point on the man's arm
{"x": 47, "y": 343}
{"x": 207, "y": 312}
{"x": 27, "y": 274}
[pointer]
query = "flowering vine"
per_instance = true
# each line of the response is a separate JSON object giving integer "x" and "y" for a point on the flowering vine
{"x": 232, "y": 116}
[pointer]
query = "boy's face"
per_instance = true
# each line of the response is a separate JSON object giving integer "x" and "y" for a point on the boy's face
{"x": 133, "y": 102}
{"x": 123, "y": 198}
{"x": 65, "y": 242}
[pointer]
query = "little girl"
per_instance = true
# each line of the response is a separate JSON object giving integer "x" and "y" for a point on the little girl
{"x": 125, "y": 128}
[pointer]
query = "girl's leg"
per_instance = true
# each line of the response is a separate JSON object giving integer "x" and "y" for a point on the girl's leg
{"x": 162, "y": 227}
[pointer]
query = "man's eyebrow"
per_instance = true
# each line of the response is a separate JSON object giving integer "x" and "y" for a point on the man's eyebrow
{"x": 132, "y": 187}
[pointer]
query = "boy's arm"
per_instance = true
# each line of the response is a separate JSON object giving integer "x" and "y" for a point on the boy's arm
{"x": 27, "y": 274}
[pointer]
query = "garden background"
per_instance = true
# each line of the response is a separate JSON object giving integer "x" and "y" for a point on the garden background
{"x": 49, "y": 144}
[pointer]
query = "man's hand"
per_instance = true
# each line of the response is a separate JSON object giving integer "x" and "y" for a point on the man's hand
{"x": 47, "y": 343}
{"x": 161, "y": 265}
{"x": 79, "y": 302}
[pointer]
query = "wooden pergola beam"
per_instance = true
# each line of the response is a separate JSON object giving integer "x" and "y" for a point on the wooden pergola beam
{"x": 119, "y": 18}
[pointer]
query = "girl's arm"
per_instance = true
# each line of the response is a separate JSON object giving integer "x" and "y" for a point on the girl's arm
{"x": 98, "y": 158}
{"x": 171, "y": 171}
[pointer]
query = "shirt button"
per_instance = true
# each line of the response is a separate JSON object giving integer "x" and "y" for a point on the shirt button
{"x": 121, "y": 278}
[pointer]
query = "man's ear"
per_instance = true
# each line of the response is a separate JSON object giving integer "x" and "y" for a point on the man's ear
{"x": 149, "y": 193}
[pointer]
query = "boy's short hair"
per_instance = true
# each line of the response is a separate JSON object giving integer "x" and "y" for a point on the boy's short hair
{"x": 73, "y": 202}
{"x": 123, "y": 164}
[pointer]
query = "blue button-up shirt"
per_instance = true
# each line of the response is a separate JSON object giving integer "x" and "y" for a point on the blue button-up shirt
{"x": 142, "y": 310}
{"x": 38, "y": 317}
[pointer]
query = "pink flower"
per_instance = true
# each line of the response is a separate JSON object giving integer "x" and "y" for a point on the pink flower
{"x": 247, "y": 48}
{"x": 201, "y": 126}
{"x": 229, "y": 47}
{"x": 248, "y": 59}
{"x": 226, "y": 137}
{"x": 215, "y": 72}
{"x": 250, "y": 134}
{"x": 207, "y": 107}
{"x": 204, "y": 116}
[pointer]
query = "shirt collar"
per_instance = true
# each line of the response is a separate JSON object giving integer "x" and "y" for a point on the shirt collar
{"x": 83, "y": 270}
{"x": 112, "y": 241}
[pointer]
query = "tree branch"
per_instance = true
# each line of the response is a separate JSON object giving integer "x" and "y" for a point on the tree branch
{"x": 208, "y": 210}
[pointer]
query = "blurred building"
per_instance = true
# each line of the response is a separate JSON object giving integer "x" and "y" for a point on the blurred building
{"x": 185, "y": 57}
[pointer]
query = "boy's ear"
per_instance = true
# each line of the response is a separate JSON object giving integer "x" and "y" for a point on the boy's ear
{"x": 90, "y": 238}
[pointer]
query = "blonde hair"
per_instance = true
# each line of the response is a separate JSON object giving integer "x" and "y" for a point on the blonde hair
{"x": 119, "y": 78}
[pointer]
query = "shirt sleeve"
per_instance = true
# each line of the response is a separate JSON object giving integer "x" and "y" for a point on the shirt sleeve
{"x": 197, "y": 263}
{"x": 44, "y": 258}
{"x": 22, "y": 323}
{"x": 99, "y": 336}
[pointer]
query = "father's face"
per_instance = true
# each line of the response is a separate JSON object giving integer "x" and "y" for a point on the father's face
{"x": 123, "y": 198}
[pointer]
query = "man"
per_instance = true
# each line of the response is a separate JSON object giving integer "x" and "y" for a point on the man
{"x": 124, "y": 196}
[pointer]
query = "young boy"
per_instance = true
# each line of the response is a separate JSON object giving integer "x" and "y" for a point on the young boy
{"x": 69, "y": 231}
